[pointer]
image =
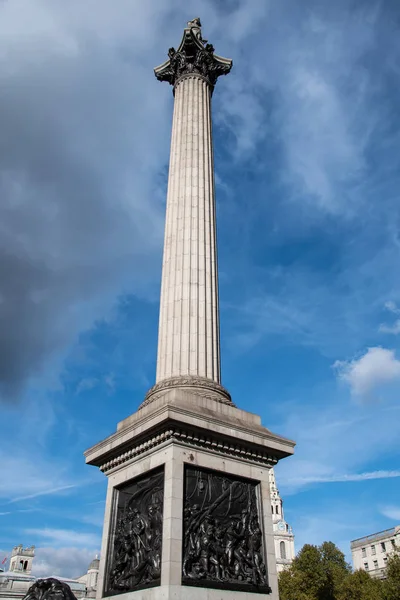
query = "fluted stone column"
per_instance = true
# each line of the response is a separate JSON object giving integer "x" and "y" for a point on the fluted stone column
{"x": 188, "y": 341}
{"x": 188, "y": 337}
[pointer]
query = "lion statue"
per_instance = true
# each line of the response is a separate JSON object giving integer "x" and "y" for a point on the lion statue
{"x": 49, "y": 589}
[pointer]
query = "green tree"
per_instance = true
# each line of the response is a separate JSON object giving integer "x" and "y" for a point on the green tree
{"x": 335, "y": 568}
{"x": 360, "y": 586}
{"x": 290, "y": 584}
{"x": 391, "y": 585}
{"x": 304, "y": 577}
{"x": 316, "y": 573}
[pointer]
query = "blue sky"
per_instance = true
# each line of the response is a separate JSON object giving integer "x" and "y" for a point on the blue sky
{"x": 306, "y": 131}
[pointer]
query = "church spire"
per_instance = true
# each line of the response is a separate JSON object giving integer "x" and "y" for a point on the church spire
{"x": 276, "y": 500}
{"x": 283, "y": 533}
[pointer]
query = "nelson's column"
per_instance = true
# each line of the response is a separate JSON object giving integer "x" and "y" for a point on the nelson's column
{"x": 188, "y": 500}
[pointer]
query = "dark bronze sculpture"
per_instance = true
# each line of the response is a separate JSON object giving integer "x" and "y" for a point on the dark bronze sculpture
{"x": 49, "y": 589}
{"x": 222, "y": 537}
{"x": 193, "y": 57}
{"x": 135, "y": 548}
{"x": 200, "y": 61}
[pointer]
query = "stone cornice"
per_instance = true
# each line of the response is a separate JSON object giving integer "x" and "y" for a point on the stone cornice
{"x": 199, "y": 386}
{"x": 196, "y": 439}
{"x": 187, "y": 411}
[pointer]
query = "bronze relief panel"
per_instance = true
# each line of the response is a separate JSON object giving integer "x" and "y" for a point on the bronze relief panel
{"x": 135, "y": 544}
{"x": 223, "y": 541}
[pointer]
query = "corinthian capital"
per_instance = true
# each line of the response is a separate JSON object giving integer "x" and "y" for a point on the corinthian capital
{"x": 193, "y": 56}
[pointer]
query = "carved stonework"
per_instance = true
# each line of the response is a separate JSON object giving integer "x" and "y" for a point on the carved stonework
{"x": 200, "y": 386}
{"x": 193, "y": 57}
{"x": 49, "y": 589}
{"x": 222, "y": 533}
{"x": 134, "y": 559}
{"x": 194, "y": 439}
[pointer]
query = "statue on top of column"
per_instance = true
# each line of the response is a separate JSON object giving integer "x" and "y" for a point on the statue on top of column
{"x": 193, "y": 56}
{"x": 195, "y": 26}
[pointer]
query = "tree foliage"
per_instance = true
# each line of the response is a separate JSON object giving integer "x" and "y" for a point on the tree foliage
{"x": 391, "y": 585}
{"x": 360, "y": 586}
{"x": 321, "y": 573}
{"x": 315, "y": 574}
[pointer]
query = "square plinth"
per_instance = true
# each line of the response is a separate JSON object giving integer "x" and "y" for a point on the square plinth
{"x": 188, "y": 510}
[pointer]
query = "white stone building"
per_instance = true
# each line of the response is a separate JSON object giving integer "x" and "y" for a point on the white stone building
{"x": 283, "y": 534}
{"x": 21, "y": 559}
{"x": 15, "y": 582}
{"x": 89, "y": 579}
{"x": 370, "y": 553}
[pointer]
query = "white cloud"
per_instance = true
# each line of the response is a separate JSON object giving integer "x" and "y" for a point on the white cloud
{"x": 339, "y": 522}
{"x": 339, "y": 430}
{"x": 34, "y": 475}
{"x": 392, "y": 307}
{"x": 63, "y": 562}
{"x": 62, "y": 537}
{"x": 367, "y": 476}
{"x": 391, "y": 512}
{"x": 89, "y": 383}
{"x": 306, "y": 84}
{"x": 322, "y": 152}
{"x": 394, "y": 329}
{"x": 29, "y": 476}
{"x": 109, "y": 380}
{"x": 377, "y": 367}
{"x": 45, "y": 492}
{"x": 86, "y": 384}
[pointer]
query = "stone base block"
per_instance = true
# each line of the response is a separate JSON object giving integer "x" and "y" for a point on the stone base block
{"x": 177, "y": 592}
{"x": 188, "y": 500}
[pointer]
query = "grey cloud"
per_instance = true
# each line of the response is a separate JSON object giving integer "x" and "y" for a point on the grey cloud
{"x": 83, "y": 138}
{"x": 85, "y": 134}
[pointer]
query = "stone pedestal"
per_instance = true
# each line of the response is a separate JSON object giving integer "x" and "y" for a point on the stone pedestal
{"x": 176, "y": 436}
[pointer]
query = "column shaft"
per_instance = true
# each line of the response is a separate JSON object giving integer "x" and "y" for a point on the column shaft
{"x": 188, "y": 343}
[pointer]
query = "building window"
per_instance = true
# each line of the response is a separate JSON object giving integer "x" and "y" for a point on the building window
{"x": 366, "y": 566}
{"x": 383, "y": 547}
{"x": 385, "y": 561}
{"x": 276, "y": 509}
{"x": 393, "y": 543}
{"x": 375, "y": 564}
{"x": 364, "y": 552}
{"x": 272, "y": 509}
{"x": 282, "y": 547}
{"x": 373, "y": 551}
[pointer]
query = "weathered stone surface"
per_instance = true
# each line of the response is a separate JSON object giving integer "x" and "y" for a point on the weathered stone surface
{"x": 188, "y": 338}
{"x": 199, "y": 422}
